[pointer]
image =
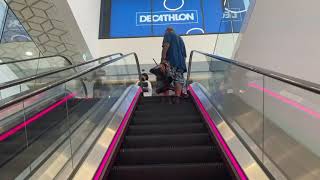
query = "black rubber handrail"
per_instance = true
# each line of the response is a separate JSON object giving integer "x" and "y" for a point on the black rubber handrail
{"x": 306, "y": 85}
{"x": 57, "y": 83}
{"x": 37, "y": 58}
{"x": 41, "y": 75}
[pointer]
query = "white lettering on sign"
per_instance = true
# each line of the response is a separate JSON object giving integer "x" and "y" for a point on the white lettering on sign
{"x": 167, "y": 17}
{"x": 162, "y": 18}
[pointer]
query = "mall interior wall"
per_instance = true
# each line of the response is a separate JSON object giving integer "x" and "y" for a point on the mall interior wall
{"x": 87, "y": 14}
{"x": 283, "y": 36}
{"x": 150, "y": 47}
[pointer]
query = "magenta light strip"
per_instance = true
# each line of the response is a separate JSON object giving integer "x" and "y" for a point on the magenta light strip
{"x": 115, "y": 139}
{"x": 12, "y": 131}
{"x": 286, "y": 100}
{"x": 216, "y": 132}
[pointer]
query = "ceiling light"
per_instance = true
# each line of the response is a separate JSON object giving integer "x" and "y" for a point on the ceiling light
{"x": 29, "y": 53}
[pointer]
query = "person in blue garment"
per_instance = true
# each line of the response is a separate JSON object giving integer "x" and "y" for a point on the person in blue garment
{"x": 174, "y": 56}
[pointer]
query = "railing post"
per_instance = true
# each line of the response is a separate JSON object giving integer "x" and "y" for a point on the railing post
{"x": 189, "y": 67}
{"x": 138, "y": 64}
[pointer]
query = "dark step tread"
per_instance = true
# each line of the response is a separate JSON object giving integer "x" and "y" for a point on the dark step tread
{"x": 160, "y": 110}
{"x": 166, "y": 120}
{"x": 195, "y": 171}
{"x": 168, "y": 155}
{"x": 167, "y": 129}
{"x": 158, "y": 102}
{"x": 165, "y": 107}
{"x": 172, "y": 112}
{"x": 166, "y": 140}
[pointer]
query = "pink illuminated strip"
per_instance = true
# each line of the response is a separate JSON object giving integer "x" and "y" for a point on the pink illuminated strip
{"x": 12, "y": 131}
{"x": 286, "y": 100}
{"x": 115, "y": 139}
{"x": 217, "y": 134}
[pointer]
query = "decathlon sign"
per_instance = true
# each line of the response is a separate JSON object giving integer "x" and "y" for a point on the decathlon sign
{"x": 166, "y": 17}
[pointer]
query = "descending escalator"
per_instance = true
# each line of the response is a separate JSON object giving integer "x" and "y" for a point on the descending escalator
{"x": 178, "y": 146}
{"x": 43, "y": 128}
{"x": 41, "y": 125}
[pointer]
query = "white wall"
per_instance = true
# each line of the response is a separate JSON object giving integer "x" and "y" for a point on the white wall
{"x": 148, "y": 48}
{"x": 283, "y": 36}
{"x": 87, "y": 14}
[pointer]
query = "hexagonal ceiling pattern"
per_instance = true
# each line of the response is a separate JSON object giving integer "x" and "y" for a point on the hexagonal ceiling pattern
{"x": 47, "y": 31}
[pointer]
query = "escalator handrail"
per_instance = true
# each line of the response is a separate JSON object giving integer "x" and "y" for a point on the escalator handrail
{"x": 41, "y": 75}
{"x": 306, "y": 85}
{"x": 37, "y": 58}
{"x": 57, "y": 83}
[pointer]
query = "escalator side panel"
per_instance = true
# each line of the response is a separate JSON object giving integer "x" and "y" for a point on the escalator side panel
{"x": 218, "y": 137}
{"x": 113, "y": 146}
{"x": 43, "y": 129}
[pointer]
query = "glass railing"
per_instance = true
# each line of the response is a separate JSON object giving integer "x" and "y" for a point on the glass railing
{"x": 41, "y": 77}
{"x": 17, "y": 69}
{"x": 276, "y": 116}
{"x": 50, "y": 127}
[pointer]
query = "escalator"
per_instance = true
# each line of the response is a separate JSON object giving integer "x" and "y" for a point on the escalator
{"x": 178, "y": 146}
{"x": 104, "y": 129}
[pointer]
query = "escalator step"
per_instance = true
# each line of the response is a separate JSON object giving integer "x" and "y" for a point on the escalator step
{"x": 158, "y": 101}
{"x": 173, "y": 112}
{"x": 166, "y": 120}
{"x": 166, "y": 140}
{"x": 164, "y": 107}
{"x": 168, "y": 155}
{"x": 167, "y": 129}
{"x": 204, "y": 171}
{"x": 167, "y": 111}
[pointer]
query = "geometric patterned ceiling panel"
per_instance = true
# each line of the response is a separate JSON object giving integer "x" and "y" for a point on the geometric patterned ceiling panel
{"x": 39, "y": 18}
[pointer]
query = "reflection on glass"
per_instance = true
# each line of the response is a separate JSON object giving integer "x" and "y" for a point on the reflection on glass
{"x": 228, "y": 88}
{"x": 279, "y": 122}
{"x": 292, "y": 123}
{"x": 3, "y": 11}
{"x": 48, "y": 130}
{"x": 16, "y": 43}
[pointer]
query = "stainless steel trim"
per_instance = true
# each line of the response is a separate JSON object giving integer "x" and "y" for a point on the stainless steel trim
{"x": 91, "y": 164}
{"x": 249, "y": 165}
{"x": 80, "y": 154}
{"x": 49, "y": 156}
{"x": 276, "y": 173}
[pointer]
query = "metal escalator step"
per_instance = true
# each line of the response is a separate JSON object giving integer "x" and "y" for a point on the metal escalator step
{"x": 157, "y": 100}
{"x": 166, "y": 129}
{"x": 165, "y": 120}
{"x": 165, "y": 107}
{"x": 166, "y": 140}
{"x": 170, "y": 111}
{"x": 173, "y": 112}
{"x": 168, "y": 155}
{"x": 194, "y": 171}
